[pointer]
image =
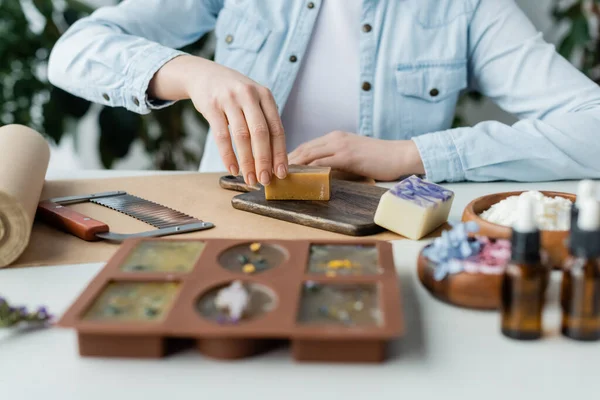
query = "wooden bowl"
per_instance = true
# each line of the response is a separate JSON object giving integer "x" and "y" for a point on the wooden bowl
{"x": 553, "y": 242}
{"x": 468, "y": 290}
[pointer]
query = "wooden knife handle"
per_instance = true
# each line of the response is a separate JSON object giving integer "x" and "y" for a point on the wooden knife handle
{"x": 236, "y": 183}
{"x": 70, "y": 221}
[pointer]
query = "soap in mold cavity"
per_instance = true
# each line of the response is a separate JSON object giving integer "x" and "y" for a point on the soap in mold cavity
{"x": 414, "y": 208}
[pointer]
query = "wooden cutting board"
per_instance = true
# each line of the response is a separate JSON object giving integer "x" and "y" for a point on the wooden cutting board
{"x": 350, "y": 210}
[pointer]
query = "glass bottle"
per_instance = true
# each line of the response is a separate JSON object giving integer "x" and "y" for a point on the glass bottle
{"x": 525, "y": 279}
{"x": 580, "y": 287}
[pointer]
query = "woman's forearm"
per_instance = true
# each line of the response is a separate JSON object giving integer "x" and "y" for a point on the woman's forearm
{"x": 170, "y": 81}
{"x": 406, "y": 158}
{"x": 110, "y": 56}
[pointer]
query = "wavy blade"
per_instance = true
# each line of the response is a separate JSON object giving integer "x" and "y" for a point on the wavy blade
{"x": 151, "y": 213}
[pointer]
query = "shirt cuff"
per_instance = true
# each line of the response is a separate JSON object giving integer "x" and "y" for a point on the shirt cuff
{"x": 440, "y": 156}
{"x": 143, "y": 68}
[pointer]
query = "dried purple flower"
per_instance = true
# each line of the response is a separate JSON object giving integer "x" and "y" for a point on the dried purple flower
{"x": 42, "y": 313}
{"x": 10, "y": 316}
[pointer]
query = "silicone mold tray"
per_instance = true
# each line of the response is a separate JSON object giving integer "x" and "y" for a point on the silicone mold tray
{"x": 335, "y": 301}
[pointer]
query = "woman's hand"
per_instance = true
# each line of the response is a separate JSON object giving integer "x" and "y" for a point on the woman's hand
{"x": 382, "y": 160}
{"x": 230, "y": 100}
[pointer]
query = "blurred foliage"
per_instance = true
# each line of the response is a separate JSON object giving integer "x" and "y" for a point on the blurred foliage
{"x": 581, "y": 44}
{"x": 459, "y": 119}
{"x": 27, "y": 98}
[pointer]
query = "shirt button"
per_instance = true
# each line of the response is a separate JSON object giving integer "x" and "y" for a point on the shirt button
{"x": 106, "y": 97}
{"x": 311, "y": 5}
{"x": 293, "y": 59}
{"x": 136, "y": 101}
{"x": 366, "y": 86}
{"x": 434, "y": 92}
{"x": 367, "y": 28}
{"x": 228, "y": 39}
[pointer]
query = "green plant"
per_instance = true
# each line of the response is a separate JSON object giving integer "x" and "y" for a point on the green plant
{"x": 580, "y": 45}
{"x": 27, "y": 98}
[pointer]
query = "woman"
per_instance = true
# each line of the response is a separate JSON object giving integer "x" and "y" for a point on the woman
{"x": 364, "y": 86}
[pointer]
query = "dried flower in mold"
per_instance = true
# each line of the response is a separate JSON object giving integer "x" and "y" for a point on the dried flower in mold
{"x": 254, "y": 247}
{"x": 234, "y": 299}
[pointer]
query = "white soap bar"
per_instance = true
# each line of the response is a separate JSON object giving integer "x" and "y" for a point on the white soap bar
{"x": 414, "y": 208}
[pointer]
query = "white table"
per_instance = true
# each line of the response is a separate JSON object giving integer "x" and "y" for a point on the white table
{"x": 447, "y": 353}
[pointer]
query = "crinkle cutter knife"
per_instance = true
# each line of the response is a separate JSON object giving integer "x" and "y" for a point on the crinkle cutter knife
{"x": 167, "y": 220}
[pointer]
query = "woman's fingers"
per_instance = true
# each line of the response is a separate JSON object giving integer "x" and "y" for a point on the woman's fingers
{"x": 218, "y": 123}
{"x": 249, "y": 114}
{"x": 330, "y": 161}
{"x": 276, "y": 132}
{"x": 241, "y": 138}
{"x": 259, "y": 138}
{"x": 311, "y": 151}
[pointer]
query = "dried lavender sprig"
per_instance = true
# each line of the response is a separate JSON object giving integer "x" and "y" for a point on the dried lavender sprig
{"x": 11, "y": 316}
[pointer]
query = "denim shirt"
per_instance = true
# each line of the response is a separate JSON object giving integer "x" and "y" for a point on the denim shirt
{"x": 415, "y": 60}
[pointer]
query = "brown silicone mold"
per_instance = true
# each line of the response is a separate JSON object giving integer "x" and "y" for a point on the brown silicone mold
{"x": 335, "y": 301}
{"x": 553, "y": 242}
{"x": 468, "y": 290}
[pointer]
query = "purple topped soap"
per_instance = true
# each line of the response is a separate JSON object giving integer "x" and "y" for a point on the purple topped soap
{"x": 414, "y": 208}
{"x": 421, "y": 192}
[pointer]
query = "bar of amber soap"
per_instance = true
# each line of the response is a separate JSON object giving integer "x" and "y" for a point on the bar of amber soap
{"x": 414, "y": 208}
{"x": 301, "y": 183}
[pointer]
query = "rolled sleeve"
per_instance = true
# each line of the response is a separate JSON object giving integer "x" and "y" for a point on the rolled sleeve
{"x": 142, "y": 69}
{"x": 440, "y": 157}
{"x": 110, "y": 56}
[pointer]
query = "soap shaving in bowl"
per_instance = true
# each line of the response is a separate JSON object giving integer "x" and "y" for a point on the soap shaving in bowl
{"x": 552, "y": 213}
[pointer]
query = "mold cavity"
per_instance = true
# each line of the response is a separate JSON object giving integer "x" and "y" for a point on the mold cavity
{"x": 338, "y": 259}
{"x": 340, "y": 304}
{"x": 236, "y": 302}
{"x": 252, "y": 258}
{"x": 164, "y": 256}
{"x": 133, "y": 302}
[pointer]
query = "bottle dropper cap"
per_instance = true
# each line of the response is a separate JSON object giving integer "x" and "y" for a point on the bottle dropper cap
{"x": 525, "y": 222}
{"x": 525, "y": 233}
{"x": 589, "y": 215}
{"x": 585, "y": 242}
{"x": 585, "y": 190}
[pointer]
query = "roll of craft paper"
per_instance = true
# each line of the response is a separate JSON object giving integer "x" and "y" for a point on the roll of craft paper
{"x": 24, "y": 158}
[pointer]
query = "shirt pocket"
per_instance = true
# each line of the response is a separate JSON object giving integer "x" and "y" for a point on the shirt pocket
{"x": 240, "y": 37}
{"x": 437, "y": 13}
{"x": 427, "y": 94}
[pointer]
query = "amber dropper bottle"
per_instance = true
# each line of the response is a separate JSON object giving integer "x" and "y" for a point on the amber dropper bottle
{"x": 580, "y": 289}
{"x": 525, "y": 279}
